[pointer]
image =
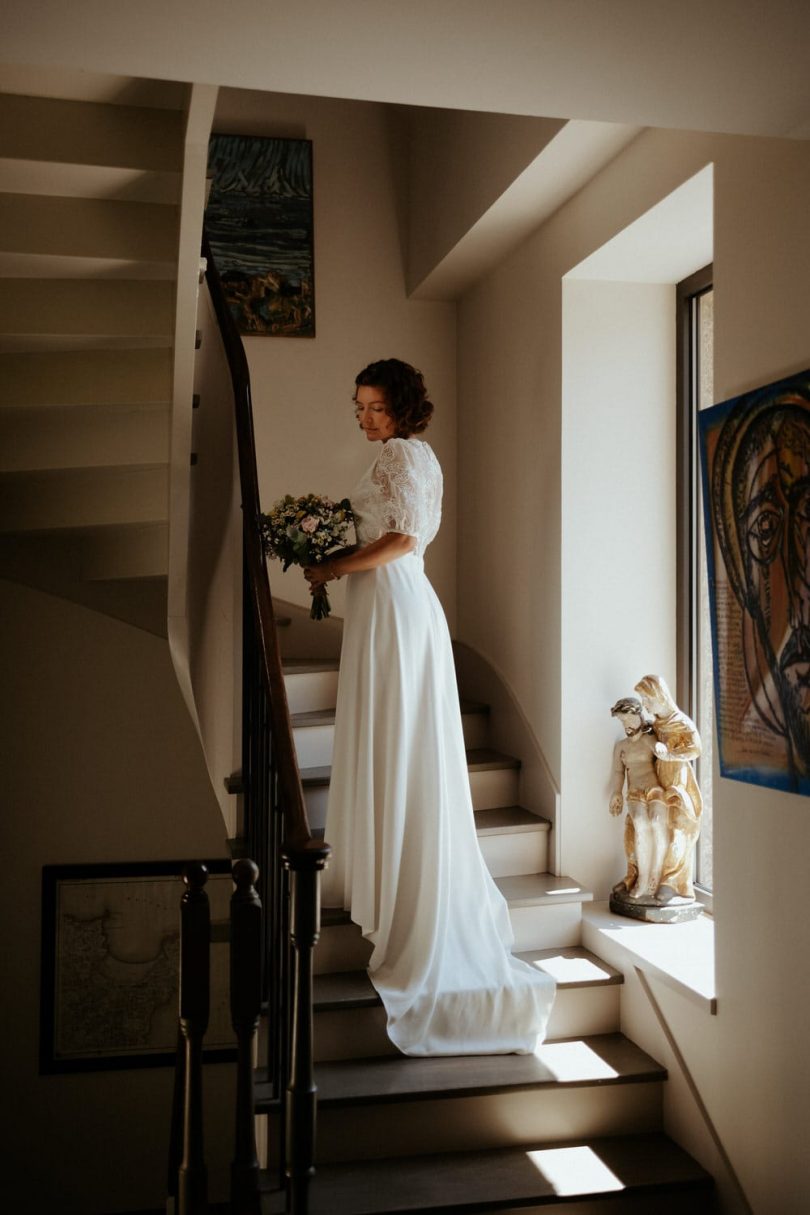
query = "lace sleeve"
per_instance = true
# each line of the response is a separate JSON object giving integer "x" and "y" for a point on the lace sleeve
{"x": 400, "y": 494}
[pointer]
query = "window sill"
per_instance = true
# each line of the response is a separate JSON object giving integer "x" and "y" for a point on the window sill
{"x": 680, "y": 955}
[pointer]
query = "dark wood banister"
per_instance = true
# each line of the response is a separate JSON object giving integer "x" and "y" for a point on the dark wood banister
{"x": 291, "y": 898}
{"x": 298, "y": 837}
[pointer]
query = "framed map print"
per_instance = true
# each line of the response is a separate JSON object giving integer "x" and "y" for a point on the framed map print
{"x": 111, "y": 962}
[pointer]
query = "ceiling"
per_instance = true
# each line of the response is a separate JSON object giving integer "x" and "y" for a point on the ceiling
{"x": 735, "y": 66}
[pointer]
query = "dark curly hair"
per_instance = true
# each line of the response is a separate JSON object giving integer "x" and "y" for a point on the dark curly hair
{"x": 405, "y": 394}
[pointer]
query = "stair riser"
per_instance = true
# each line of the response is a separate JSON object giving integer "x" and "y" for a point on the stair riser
{"x": 506, "y": 1119}
{"x": 70, "y": 437}
{"x": 87, "y": 228}
{"x": 125, "y": 378}
{"x": 86, "y": 133}
{"x": 489, "y": 789}
{"x": 86, "y": 309}
{"x": 311, "y": 691}
{"x": 340, "y": 948}
{"x": 93, "y": 498}
{"x": 359, "y": 1033}
{"x": 515, "y": 853}
{"x": 314, "y": 745}
{"x": 95, "y": 378}
{"x": 88, "y": 181}
{"x": 123, "y": 553}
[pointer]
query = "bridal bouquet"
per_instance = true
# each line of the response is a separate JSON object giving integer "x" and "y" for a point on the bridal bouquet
{"x": 303, "y": 531}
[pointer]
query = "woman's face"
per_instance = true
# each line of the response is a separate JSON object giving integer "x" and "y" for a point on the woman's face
{"x": 371, "y": 411}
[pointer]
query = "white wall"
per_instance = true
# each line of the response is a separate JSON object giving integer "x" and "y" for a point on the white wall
{"x": 101, "y": 763}
{"x": 751, "y": 1061}
{"x": 618, "y": 574}
{"x": 306, "y": 436}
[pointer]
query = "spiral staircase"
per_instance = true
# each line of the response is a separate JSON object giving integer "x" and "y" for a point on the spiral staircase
{"x": 90, "y": 193}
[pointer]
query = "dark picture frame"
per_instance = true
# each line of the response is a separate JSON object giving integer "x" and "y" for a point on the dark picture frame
{"x": 259, "y": 221}
{"x": 110, "y": 965}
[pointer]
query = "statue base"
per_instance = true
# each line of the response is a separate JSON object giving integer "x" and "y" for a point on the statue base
{"x": 677, "y": 911}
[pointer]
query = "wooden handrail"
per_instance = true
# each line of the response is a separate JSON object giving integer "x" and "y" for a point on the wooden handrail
{"x": 279, "y": 836}
{"x": 297, "y": 834}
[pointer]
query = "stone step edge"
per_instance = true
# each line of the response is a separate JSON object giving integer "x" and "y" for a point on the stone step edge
{"x": 341, "y": 991}
{"x": 391, "y": 1079}
{"x": 494, "y": 1179}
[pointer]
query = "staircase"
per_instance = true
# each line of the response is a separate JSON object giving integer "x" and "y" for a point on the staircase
{"x": 575, "y": 1127}
{"x": 89, "y": 194}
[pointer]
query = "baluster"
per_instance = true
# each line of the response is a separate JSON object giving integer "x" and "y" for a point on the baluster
{"x": 305, "y": 870}
{"x": 246, "y": 1001}
{"x": 195, "y": 938}
{"x": 176, "y": 1132}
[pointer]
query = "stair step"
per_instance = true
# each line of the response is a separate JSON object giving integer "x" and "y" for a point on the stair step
{"x": 493, "y": 783}
{"x": 399, "y": 1106}
{"x": 545, "y": 912}
{"x": 122, "y": 553}
{"x": 47, "y": 237}
{"x": 82, "y": 437}
{"x": 64, "y": 313}
{"x": 90, "y": 133}
{"x": 77, "y": 378}
{"x": 314, "y": 732}
{"x": 311, "y": 686}
{"x": 95, "y": 497}
{"x": 522, "y": 890}
{"x": 571, "y": 968}
{"x": 350, "y": 1021}
{"x": 650, "y": 1167}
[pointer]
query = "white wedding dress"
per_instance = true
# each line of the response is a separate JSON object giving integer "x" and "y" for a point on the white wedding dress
{"x": 405, "y": 857}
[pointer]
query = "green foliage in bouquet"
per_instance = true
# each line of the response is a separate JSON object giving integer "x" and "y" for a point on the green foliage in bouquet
{"x": 305, "y": 531}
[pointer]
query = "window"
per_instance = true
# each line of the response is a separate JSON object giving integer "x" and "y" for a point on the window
{"x": 695, "y": 674}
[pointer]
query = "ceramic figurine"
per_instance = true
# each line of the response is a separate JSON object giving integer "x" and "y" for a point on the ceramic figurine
{"x": 653, "y": 775}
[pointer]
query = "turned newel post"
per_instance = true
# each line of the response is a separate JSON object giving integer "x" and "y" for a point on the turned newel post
{"x": 195, "y": 937}
{"x": 246, "y": 1002}
{"x": 305, "y": 868}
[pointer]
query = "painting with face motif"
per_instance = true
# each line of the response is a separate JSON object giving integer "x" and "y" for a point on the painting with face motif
{"x": 755, "y": 452}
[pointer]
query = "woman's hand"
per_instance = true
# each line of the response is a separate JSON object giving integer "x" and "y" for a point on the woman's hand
{"x": 318, "y": 575}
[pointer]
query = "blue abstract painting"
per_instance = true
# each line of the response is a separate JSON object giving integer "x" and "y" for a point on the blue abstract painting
{"x": 260, "y": 228}
{"x": 755, "y": 454}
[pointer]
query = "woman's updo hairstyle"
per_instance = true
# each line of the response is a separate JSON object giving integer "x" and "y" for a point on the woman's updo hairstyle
{"x": 405, "y": 394}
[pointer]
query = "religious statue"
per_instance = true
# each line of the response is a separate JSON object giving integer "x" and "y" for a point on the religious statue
{"x": 664, "y": 805}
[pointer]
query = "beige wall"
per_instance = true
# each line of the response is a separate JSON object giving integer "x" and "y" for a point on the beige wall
{"x": 306, "y": 437}
{"x": 101, "y": 763}
{"x": 460, "y": 163}
{"x": 750, "y": 1062}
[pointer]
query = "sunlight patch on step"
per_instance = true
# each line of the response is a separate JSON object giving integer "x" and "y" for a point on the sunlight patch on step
{"x": 574, "y": 1170}
{"x": 573, "y": 1061}
{"x": 570, "y": 970}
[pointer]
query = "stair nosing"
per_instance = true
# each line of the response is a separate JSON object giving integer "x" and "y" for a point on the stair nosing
{"x": 318, "y": 775}
{"x": 332, "y": 1183}
{"x": 367, "y": 997}
{"x": 645, "y": 1071}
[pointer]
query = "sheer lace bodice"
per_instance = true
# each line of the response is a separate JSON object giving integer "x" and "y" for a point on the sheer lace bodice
{"x": 401, "y": 492}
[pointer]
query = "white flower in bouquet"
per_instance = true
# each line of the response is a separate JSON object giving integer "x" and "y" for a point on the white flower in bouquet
{"x": 305, "y": 531}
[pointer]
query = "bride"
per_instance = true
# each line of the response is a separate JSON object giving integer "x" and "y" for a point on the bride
{"x": 405, "y": 856}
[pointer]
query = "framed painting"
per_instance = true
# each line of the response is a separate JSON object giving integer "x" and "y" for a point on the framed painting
{"x": 111, "y": 960}
{"x": 259, "y": 224}
{"x": 755, "y": 456}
